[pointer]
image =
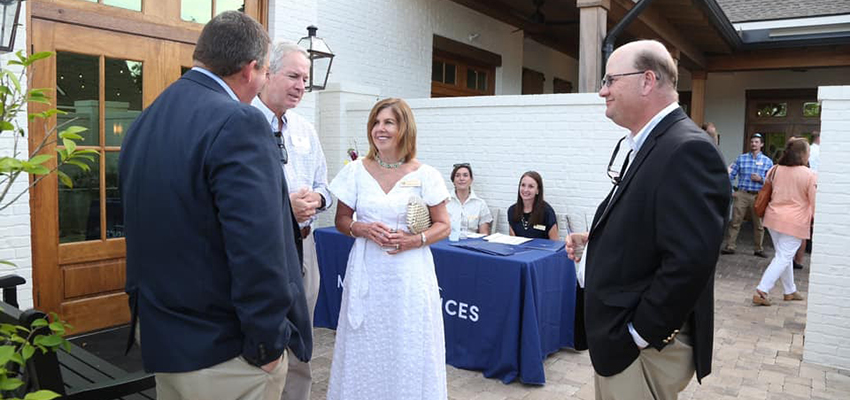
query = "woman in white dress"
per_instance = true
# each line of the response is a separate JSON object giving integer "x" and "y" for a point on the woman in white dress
{"x": 390, "y": 341}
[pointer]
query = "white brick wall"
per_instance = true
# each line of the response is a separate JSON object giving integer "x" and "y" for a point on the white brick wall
{"x": 387, "y": 44}
{"x": 565, "y": 137}
{"x": 828, "y": 318}
{"x": 15, "y": 220}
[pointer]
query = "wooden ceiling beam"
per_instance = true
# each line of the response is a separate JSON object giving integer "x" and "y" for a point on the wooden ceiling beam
{"x": 661, "y": 28}
{"x": 810, "y": 57}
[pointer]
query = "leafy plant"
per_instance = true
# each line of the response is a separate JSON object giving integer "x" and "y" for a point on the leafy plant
{"x": 18, "y": 344}
{"x": 13, "y": 100}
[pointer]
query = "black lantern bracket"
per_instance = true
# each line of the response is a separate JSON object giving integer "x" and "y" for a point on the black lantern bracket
{"x": 321, "y": 59}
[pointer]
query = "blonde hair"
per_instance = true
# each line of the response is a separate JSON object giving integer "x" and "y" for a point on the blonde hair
{"x": 406, "y": 128}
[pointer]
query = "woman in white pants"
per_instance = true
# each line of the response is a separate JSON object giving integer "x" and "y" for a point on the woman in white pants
{"x": 788, "y": 217}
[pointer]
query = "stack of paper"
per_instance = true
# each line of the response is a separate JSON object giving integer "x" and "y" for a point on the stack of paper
{"x": 505, "y": 239}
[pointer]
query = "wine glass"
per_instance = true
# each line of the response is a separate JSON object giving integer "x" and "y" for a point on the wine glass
{"x": 400, "y": 225}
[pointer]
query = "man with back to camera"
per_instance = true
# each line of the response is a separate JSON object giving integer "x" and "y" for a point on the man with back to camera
{"x": 212, "y": 268}
{"x": 750, "y": 169}
{"x": 652, "y": 249}
{"x": 306, "y": 171}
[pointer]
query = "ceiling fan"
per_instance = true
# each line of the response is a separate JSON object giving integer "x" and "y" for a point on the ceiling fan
{"x": 540, "y": 19}
{"x": 537, "y": 20}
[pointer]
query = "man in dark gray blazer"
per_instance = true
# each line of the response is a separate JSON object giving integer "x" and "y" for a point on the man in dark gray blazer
{"x": 655, "y": 239}
{"x": 213, "y": 272}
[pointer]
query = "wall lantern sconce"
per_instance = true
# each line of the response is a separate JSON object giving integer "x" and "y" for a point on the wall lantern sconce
{"x": 11, "y": 11}
{"x": 321, "y": 58}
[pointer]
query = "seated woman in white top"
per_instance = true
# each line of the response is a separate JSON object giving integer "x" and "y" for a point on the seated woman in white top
{"x": 467, "y": 210}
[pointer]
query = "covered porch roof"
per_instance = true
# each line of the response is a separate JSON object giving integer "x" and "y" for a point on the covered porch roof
{"x": 698, "y": 32}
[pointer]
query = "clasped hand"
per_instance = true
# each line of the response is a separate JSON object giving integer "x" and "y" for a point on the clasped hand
{"x": 387, "y": 237}
{"x": 304, "y": 204}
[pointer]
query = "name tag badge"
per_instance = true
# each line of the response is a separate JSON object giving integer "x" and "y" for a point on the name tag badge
{"x": 411, "y": 183}
{"x": 540, "y": 227}
{"x": 760, "y": 163}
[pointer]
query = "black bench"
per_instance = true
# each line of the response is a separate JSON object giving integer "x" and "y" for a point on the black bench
{"x": 75, "y": 374}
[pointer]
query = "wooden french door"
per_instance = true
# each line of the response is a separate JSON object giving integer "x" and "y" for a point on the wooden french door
{"x": 780, "y": 114}
{"x": 102, "y": 80}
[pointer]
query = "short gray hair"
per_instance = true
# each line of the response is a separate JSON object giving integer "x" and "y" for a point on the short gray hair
{"x": 280, "y": 50}
{"x": 661, "y": 64}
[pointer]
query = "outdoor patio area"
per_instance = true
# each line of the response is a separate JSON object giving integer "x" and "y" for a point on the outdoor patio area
{"x": 758, "y": 351}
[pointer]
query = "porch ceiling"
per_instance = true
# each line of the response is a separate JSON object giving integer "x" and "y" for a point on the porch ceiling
{"x": 686, "y": 25}
{"x": 698, "y": 30}
{"x": 558, "y": 29}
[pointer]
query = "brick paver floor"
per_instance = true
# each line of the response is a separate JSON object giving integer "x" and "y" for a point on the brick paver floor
{"x": 758, "y": 351}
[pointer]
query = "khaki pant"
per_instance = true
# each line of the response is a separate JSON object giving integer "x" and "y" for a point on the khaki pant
{"x": 299, "y": 379}
{"x": 654, "y": 375}
{"x": 234, "y": 379}
{"x": 742, "y": 204}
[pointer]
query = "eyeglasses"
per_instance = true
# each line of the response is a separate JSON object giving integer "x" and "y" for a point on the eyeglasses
{"x": 284, "y": 156}
{"x": 613, "y": 173}
{"x": 608, "y": 80}
{"x": 466, "y": 164}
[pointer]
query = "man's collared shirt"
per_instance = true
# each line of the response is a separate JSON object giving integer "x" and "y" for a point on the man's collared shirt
{"x": 475, "y": 211}
{"x": 307, "y": 166}
{"x": 636, "y": 142}
{"x": 746, "y": 165}
{"x": 218, "y": 80}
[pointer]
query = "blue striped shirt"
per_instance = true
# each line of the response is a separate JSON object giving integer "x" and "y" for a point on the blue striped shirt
{"x": 746, "y": 165}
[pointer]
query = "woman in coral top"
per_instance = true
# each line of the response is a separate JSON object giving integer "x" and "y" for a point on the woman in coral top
{"x": 788, "y": 217}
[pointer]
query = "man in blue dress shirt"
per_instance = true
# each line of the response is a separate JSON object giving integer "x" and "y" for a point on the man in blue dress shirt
{"x": 750, "y": 170}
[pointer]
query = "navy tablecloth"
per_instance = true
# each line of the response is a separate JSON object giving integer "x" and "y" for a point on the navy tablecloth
{"x": 503, "y": 315}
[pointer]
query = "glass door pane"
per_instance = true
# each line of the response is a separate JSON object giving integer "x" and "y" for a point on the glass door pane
{"x": 77, "y": 81}
{"x": 135, "y": 5}
{"x": 199, "y": 11}
{"x": 225, "y": 5}
{"x": 77, "y": 86}
{"x": 79, "y": 207}
{"x": 123, "y": 91}
{"x": 114, "y": 211}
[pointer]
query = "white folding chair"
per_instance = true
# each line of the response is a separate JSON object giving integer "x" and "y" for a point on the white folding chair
{"x": 496, "y": 212}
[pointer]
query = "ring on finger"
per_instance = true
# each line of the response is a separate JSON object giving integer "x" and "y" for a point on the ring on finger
{"x": 397, "y": 246}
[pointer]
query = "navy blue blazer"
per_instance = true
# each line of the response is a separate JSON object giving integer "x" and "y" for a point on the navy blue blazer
{"x": 212, "y": 268}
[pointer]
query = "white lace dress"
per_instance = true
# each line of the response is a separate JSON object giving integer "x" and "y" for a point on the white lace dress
{"x": 390, "y": 341}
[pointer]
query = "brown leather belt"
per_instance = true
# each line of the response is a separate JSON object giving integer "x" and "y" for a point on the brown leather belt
{"x": 305, "y": 231}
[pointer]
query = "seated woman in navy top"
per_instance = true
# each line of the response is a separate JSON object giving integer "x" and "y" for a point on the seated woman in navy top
{"x": 531, "y": 216}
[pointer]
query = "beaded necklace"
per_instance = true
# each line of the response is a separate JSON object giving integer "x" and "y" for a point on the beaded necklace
{"x": 388, "y": 165}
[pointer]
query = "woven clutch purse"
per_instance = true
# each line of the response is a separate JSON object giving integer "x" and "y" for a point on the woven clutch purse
{"x": 418, "y": 216}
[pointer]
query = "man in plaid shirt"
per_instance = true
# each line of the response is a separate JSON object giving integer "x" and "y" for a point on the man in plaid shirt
{"x": 750, "y": 170}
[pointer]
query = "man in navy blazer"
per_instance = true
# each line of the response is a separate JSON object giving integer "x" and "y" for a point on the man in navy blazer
{"x": 654, "y": 242}
{"x": 212, "y": 268}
